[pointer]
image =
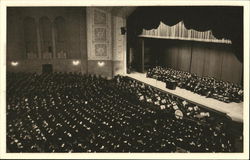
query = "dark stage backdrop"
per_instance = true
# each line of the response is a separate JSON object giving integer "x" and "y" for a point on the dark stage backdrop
{"x": 203, "y": 58}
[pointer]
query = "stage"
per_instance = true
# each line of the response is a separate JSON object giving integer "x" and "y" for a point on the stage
{"x": 233, "y": 110}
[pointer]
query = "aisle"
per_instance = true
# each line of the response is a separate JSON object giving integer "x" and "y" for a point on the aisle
{"x": 233, "y": 110}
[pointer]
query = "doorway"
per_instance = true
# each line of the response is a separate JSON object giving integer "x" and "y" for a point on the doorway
{"x": 47, "y": 68}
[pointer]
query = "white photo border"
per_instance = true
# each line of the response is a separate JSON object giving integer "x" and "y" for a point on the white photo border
{"x": 84, "y": 3}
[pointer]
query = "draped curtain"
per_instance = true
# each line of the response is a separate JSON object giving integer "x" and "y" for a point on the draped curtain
{"x": 224, "y": 21}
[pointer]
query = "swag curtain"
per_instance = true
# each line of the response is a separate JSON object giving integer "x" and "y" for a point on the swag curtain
{"x": 224, "y": 22}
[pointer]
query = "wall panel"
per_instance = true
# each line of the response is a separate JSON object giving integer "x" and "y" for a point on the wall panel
{"x": 30, "y": 38}
{"x": 45, "y": 28}
{"x": 73, "y": 33}
{"x": 99, "y": 34}
{"x": 60, "y": 37}
{"x": 15, "y": 35}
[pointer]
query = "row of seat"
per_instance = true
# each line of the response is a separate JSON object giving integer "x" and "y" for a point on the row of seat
{"x": 63, "y": 112}
{"x": 205, "y": 86}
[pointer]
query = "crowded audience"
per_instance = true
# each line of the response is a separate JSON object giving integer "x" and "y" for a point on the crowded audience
{"x": 71, "y": 112}
{"x": 205, "y": 86}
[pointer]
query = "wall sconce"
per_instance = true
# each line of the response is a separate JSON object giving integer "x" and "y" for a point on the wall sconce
{"x": 101, "y": 63}
{"x": 14, "y": 63}
{"x": 75, "y": 62}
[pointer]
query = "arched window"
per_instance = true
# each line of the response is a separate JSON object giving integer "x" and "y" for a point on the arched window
{"x": 60, "y": 37}
{"x": 46, "y": 37}
{"x": 30, "y": 37}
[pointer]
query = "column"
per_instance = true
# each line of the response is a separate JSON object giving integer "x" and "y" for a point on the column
{"x": 53, "y": 41}
{"x": 38, "y": 41}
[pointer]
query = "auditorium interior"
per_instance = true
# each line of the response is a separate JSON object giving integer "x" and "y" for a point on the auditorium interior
{"x": 132, "y": 79}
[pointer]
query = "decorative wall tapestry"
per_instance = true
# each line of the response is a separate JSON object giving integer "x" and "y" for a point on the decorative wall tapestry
{"x": 99, "y": 34}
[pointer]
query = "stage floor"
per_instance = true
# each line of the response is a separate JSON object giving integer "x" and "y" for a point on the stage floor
{"x": 233, "y": 110}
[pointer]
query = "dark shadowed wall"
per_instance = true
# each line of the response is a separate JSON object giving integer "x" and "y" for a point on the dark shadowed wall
{"x": 46, "y": 35}
{"x": 61, "y": 35}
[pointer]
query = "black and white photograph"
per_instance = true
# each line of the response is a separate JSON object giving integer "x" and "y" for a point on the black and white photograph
{"x": 155, "y": 79}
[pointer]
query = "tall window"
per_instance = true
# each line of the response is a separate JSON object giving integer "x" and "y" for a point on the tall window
{"x": 46, "y": 37}
{"x": 60, "y": 37}
{"x": 30, "y": 37}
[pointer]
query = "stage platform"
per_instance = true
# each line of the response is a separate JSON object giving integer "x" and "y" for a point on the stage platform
{"x": 233, "y": 110}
